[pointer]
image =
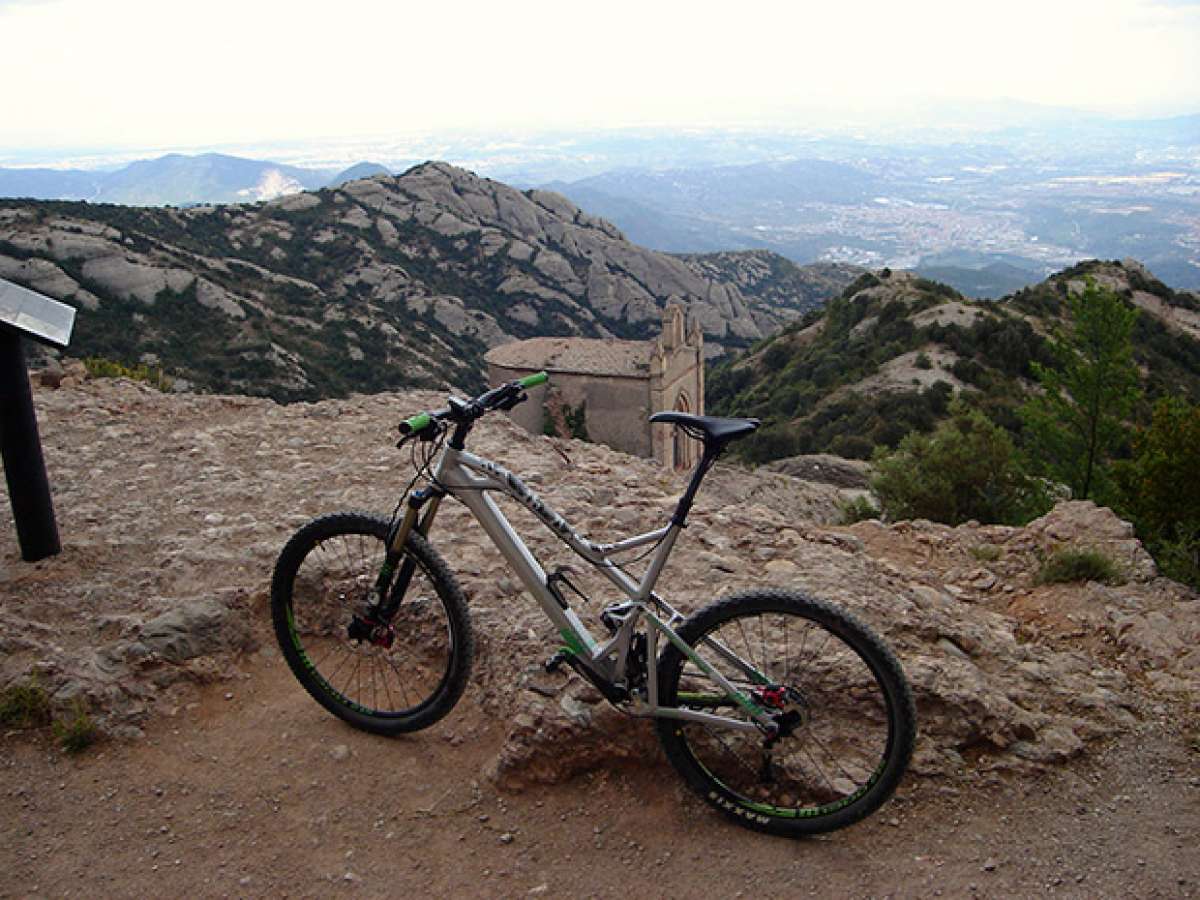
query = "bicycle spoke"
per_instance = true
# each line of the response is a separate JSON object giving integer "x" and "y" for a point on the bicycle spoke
{"x": 347, "y": 657}
{"x": 787, "y": 658}
{"x": 328, "y": 653}
{"x": 374, "y": 687}
{"x": 762, "y": 633}
{"x": 836, "y": 760}
{"x": 387, "y": 690}
{"x": 399, "y": 679}
{"x": 746, "y": 643}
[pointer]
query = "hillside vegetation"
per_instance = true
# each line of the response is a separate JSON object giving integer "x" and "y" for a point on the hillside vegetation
{"x": 886, "y": 357}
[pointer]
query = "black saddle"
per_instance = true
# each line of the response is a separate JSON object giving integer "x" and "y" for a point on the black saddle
{"x": 714, "y": 431}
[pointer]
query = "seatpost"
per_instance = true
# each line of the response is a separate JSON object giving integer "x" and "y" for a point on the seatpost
{"x": 685, "y": 502}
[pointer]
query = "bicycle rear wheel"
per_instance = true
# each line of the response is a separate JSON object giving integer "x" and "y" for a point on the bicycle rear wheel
{"x": 848, "y": 714}
{"x": 383, "y": 677}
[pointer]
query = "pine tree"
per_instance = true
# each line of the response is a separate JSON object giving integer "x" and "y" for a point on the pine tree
{"x": 1073, "y": 427}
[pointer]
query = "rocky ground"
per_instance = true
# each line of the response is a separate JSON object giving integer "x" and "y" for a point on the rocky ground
{"x": 1059, "y": 724}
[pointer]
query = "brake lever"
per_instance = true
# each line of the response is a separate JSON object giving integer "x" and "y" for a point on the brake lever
{"x": 426, "y": 434}
{"x": 518, "y": 397}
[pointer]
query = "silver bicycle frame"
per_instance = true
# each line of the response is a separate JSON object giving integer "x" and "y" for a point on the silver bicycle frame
{"x": 468, "y": 478}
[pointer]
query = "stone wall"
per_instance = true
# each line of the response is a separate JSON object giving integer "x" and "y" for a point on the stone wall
{"x": 617, "y": 410}
{"x": 617, "y": 407}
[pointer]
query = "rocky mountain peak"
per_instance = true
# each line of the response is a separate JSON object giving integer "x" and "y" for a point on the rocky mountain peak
{"x": 383, "y": 282}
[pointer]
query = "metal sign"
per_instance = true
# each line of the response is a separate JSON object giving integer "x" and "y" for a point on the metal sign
{"x": 35, "y": 316}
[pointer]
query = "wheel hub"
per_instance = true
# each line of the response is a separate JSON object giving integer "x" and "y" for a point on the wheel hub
{"x": 786, "y": 721}
{"x": 367, "y": 628}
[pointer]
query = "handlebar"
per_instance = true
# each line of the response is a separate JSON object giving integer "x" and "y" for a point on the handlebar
{"x": 463, "y": 412}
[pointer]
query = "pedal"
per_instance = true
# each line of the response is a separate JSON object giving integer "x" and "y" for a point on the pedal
{"x": 554, "y": 663}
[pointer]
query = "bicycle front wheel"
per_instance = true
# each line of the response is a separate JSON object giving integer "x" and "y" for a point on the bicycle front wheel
{"x": 846, "y": 713}
{"x": 385, "y": 677}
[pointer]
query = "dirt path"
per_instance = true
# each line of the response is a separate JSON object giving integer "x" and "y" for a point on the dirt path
{"x": 252, "y": 790}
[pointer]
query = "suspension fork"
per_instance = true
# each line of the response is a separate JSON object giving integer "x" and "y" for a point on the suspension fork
{"x": 391, "y": 593}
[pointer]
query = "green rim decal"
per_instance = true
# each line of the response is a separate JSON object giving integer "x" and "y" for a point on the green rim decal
{"x": 312, "y": 669}
{"x": 783, "y": 812}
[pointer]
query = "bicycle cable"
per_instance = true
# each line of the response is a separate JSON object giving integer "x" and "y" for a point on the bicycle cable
{"x": 428, "y": 453}
{"x": 620, "y": 564}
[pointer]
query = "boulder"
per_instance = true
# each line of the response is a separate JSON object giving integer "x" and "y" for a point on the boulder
{"x": 1084, "y": 525}
{"x": 825, "y": 469}
{"x": 194, "y": 628}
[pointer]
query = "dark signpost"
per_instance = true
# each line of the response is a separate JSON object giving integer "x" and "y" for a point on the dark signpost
{"x": 26, "y": 313}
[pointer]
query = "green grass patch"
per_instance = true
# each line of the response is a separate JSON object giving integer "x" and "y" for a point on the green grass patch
{"x": 101, "y": 367}
{"x": 1075, "y": 565}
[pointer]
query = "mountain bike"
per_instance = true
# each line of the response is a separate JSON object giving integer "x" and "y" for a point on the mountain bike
{"x": 783, "y": 711}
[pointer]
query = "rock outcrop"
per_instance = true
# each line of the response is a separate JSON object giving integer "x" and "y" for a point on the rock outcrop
{"x": 780, "y": 288}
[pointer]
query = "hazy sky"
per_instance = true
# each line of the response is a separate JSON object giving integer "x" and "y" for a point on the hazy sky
{"x": 178, "y": 73}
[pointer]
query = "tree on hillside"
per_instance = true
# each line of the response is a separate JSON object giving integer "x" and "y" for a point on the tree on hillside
{"x": 1160, "y": 490}
{"x": 1073, "y": 427}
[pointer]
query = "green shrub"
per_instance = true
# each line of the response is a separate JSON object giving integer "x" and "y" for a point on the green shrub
{"x": 772, "y": 442}
{"x": 861, "y": 283}
{"x": 966, "y": 469}
{"x": 1178, "y": 555}
{"x": 576, "y": 418}
{"x": 777, "y": 356}
{"x": 851, "y": 446}
{"x": 1073, "y": 564}
{"x": 1160, "y": 490}
{"x": 1075, "y": 426}
{"x": 77, "y": 732}
{"x": 25, "y": 705}
{"x": 858, "y": 509}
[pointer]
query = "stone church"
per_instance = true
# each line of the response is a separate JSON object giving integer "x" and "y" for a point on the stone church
{"x": 609, "y": 388}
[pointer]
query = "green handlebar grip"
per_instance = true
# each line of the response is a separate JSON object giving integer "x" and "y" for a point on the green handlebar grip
{"x": 534, "y": 380}
{"x": 416, "y": 423}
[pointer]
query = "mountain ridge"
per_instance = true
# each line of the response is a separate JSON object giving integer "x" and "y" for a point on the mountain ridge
{"x": 177, "y": 179}
{"x": 381, "y": 283}
{"x": 887, "y": 355}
